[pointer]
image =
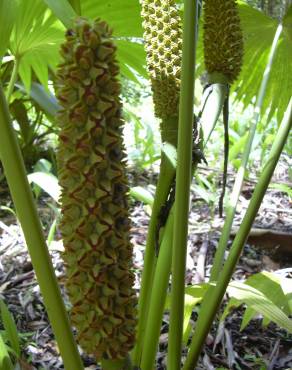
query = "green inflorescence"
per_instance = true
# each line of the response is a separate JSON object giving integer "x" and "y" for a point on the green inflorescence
{"x": 95, "y": 220}
{"x": 223, "y": 40}
{"x": 162, "y": 35}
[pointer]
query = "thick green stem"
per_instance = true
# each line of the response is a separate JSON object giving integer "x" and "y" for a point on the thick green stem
{"x": 157, "y": 293}
{"x": 31, "y": 226}
{"x": 76, "y": 5}
{"x": 232, "y": 203}
{"x": 13, "y": 78}
{"x": 183, "y": 178}
{"x": 158, "y": 296}
{"x": 166, "y": 176}
{"x": 216, "y": 292}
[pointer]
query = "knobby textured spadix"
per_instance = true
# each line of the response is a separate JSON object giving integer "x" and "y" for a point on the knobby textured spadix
{"x": 95, "y": 220}
{"x": 223, "y": 40}
{"x": 163, "y": 43}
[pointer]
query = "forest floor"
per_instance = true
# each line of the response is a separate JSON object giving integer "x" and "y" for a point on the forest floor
{"x": 256, "y": 347}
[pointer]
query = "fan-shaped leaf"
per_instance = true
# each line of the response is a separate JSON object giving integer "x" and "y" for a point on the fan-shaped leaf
{"x": 131, "y": 55}
{"x": 37, "y": 35}
{"x": 35, "y": 40}
{"x": 259, "y": 303}
{"x": 122, "y": 15}
{"x": 62, "y": 10}
{"x": 266, "y": 283}
{"x": 259, "y": 31}
{"x": 7, "y": 16}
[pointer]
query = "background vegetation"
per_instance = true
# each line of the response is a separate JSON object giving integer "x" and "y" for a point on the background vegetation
{"x": 28, "y": 74}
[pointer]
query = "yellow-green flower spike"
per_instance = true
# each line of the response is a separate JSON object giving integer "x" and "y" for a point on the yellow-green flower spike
{"x": 223, "y": 41}
{"x": 162, "y": 35}
{"x": 95, "y": 220}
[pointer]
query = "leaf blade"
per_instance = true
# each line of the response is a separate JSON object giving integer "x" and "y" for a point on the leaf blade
{"x": 62, "y": 10}
{"x": 10, "y": 328}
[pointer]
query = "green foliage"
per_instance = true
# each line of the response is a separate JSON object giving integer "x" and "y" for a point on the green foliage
{"x": 48, "y": 182}
{"x": 143, "y": 151}
{"x": 194, "y": 295}
{"x": 133, "y": 57}
{"x": 5, "y": 361}
{"x": 63, "y": 11}
{"x": 33, "y": 34}
{"x": 32, "y": 128}
{"x": 44, "y": 99}
{"x": 10, "y": 328}
{"x": 35, "y": 39}
{"x": 7, "y": 17}
{"x": 37, "y": 34}
{"x": 44, "y": 180}
{"x": 205, "y": 189}
{"x": 142, "y": 195}
{"x": 263, "y": 294}
{"x": 255, "y": 59}
{"x": 123, "y": 15}
{"x": 284, "y": 189}
{"x": 9, "y": 338}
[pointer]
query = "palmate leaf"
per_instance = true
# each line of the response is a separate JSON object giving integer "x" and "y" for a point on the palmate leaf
{"x": 266, "y": 283}
{"x": 122, "y": 15}
{"x": 124, "y": 18}
{"x": 259, "y": 31}
{"x": 37, "y": 35}
{"x": 62, "y": 10}
{"x": 7, "y": 16}
{"x": 132, "y": 57}
{"x": 262, "y": 294}
{"x": 35, "y": 40}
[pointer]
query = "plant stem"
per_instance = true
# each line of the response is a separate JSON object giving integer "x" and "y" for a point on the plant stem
{"x": 183, "y": 179}
{"x": 26, "y": 211}
{"x": 232, "y": 203}
{"x": 166, "y": 176}
{"x": 158, "y": 296}
{"x": 158, "y": 290}
{"x": 76, "y": 5}
{"x": 13, "y": 78}
{"x": 216, "y": 292}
